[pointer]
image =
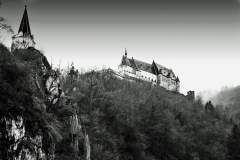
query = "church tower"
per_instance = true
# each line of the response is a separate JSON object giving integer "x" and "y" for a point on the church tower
{"x": 24, "y": 38}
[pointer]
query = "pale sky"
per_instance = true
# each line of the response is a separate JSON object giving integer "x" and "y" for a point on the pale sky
{"x": 198, "y": 39}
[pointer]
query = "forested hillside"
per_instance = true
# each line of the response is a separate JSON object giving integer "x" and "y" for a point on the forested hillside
{"x": 36, "y": 120}
{"x": 121, "y": 120}
{"x": 127, "y": 120}
{"x": 229, "y": 99}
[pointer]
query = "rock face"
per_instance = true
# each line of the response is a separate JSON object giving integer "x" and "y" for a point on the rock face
{"x": 20, "y": 146}
{"x": 25, "y": 137}
{"x": 87, "y": 146}
{"x": 52, "y": 85}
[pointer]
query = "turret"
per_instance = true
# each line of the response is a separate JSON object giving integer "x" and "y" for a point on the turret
{"x": 191, "y": 95}
{"x": 169, "y": 81}
{"x": 178, "y": 84}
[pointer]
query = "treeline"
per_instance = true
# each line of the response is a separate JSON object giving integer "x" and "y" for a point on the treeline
{"x": 136, "y": 121}
{"x": 124, "y": 120}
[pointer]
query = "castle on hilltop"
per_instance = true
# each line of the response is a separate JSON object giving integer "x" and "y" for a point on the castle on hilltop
{"x": 154, "y": 73}
{"x": 24, "y": 39}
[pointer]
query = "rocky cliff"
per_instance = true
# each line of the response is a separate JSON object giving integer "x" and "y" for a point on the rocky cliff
{"x": 36, "y": 118}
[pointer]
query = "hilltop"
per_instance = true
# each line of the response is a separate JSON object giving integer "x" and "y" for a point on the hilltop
{"x": 74, "y": 113}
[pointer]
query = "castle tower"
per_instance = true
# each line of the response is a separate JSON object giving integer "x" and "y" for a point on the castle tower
{"x": 24, "y": 38}
{"x": 191, "y": 95}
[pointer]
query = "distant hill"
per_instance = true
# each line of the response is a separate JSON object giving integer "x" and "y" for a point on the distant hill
{"x": 227, "y": 97}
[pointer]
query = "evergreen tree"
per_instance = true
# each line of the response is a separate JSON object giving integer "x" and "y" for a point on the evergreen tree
{"x": 233, "y": 144}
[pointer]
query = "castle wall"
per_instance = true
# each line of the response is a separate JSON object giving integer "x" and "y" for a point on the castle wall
{"x": 123, "y": 69}
{"x": 146, "y": 76}
{"x": 172, "y": 85}
{"x": 167, "y": 83}
{"x": 126, "y": 70}
{"x": 178, "y": 86}
{"x": 22, "y": 42}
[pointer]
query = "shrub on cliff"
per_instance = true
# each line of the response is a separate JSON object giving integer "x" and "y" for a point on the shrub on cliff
{"x": 20, "y": 73}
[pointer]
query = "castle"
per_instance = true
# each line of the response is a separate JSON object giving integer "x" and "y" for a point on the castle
{"x": 154, "y": 73}
{"x": 129, "y": 67}
{"x": 24, "y": 39}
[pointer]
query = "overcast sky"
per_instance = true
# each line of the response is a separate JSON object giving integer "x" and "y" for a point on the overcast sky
{"x": 198, "y": 39}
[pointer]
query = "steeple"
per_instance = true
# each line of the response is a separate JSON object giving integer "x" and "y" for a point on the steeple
{"x": 24, "y": 39}
{"x": 125, "y": 52}
{"x": 24, "y": 26}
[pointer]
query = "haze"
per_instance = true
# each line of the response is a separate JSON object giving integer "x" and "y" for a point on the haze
{"x": 198, "y": 39}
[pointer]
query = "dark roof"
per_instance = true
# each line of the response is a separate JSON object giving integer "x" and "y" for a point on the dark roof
{"x": 125, "y": 61}
{"x": 139, "y": 65}
{"x": 160, "y": 71}
{"x": 136, "y": 64}
{"x": 24, "y": 26}
{"x": 143, "y": 66}
{"x": 159, "y": 67}
{"x": 168, "y": 76}
{"x": 177, "y": 80}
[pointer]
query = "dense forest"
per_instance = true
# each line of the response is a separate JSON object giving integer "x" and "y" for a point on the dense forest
{"x": 123, "y": 120}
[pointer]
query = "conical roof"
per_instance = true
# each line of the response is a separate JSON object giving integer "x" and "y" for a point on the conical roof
{"x": 24, "y": 26}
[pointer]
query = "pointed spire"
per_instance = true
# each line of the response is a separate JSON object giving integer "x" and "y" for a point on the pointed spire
{"x": 24, "y": 26}
{"x": 177, "y": 80}
{"x": 125, "y": 52}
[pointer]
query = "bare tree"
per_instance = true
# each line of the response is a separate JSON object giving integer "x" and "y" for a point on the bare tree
{"x": 4, "y": 24}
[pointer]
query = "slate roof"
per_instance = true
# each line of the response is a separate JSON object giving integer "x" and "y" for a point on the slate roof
{"x": 139, "y": 65}
{"x": 25, "y": 26}
{"x": 136, "y": 64}
{"x": 159, "y": 67}
{"x": 125, "y": 61}
{"x": 143, "y": 66}
{"x": 168, "y": 76}
{"x": 177, "y": 79}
